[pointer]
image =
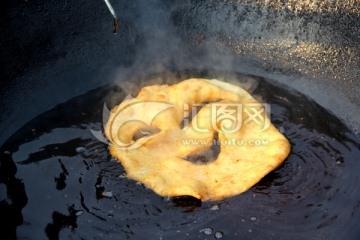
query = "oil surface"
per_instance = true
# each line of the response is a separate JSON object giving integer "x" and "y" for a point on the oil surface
{"x": 67, "y": 186}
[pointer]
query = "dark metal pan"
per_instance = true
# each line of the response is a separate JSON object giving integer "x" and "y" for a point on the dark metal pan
{"x": 60, "y": 61}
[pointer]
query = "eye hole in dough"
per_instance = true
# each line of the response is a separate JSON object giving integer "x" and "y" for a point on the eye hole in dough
{"x": 145, "y": 132}
{"x": 207, "y": 155}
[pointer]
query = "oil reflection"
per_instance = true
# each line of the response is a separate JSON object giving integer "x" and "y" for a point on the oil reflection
{"x": 11, "y": 208}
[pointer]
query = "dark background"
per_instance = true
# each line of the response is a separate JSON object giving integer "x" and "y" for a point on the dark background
{"x": 51, "y": 51}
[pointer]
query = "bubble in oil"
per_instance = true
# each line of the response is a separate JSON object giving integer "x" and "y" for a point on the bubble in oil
{"x": 206, "y": 231}
{"x": 218, "y": 235}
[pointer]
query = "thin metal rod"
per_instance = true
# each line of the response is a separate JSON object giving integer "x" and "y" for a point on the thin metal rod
{"x": 111, "y": 9}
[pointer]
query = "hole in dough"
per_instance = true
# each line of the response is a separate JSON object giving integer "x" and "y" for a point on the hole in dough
{"x": 206, "y": 156}
{"x": 145, "y": 132}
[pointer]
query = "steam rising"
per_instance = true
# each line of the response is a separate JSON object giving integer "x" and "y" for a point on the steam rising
{"x": 163, "y": 54}
{"x": 264, "y": 38}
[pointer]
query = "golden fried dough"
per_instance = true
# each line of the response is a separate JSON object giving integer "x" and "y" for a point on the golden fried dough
{"x": 148, "y": 137}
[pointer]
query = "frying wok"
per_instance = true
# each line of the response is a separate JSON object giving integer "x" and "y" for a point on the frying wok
{"x": 53, "y": 51}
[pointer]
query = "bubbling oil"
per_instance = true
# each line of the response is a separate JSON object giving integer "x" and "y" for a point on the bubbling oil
{"x": 75, "y": 189}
